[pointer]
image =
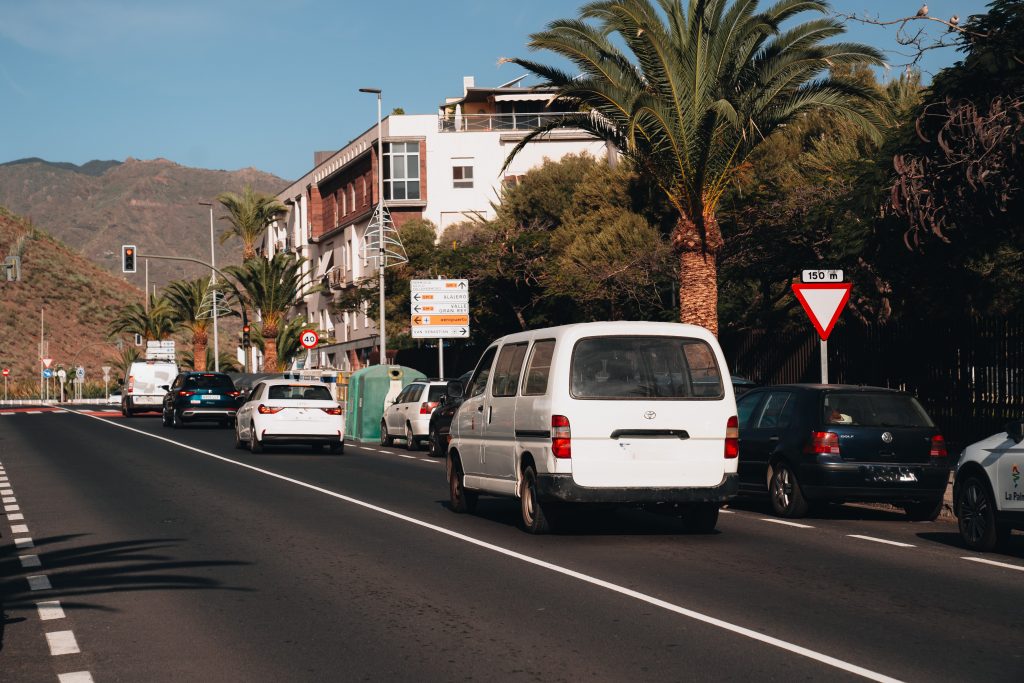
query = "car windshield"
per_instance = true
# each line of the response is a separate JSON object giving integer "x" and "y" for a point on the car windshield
{"x": 300, "y": 392}
{"x": 874, "y": 410}
{"x": 644, "y": 367}
{"x": 209, "y": 382}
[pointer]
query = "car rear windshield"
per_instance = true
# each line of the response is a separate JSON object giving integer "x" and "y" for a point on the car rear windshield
{"x": 300, "y": 392}
{"x": 874, "y": 410}
{"x": 644, "y": 367}
{"x": 436, "y": 393}
{"x": 209, "y": 382}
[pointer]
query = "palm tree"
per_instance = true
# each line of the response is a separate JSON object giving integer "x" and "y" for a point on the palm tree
{"x": 228, "y": 363}
{"x": 156, "y": 322}
{"x": 249, "y": 216}
{"x": 124, "y": 359}
{"x": 288, "y": 344}
{"x": 271, "y": 287}
{"x": 687, "y": 92}
{"x": 187, "y": 298}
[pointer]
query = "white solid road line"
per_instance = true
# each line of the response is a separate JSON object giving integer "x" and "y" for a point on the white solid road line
{"x": 782, "y": 521}
{"x": 62, "y": 643}
{"x": 994, "y": 563}
{"x": 75, "y": 677}
{"x": 50, "y": 609}
{"x": 40, "y": 582}
{"x": 579, "y": 576}
{"x": 881, "y": 540}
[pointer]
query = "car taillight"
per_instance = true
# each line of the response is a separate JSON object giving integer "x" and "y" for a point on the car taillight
{"x": 267, "y": 410}
{"x": 234, "y": 393}
{"x": 561, "y": 437}
{"x": 938, "y": 449}
{"x": 732, "y": 438}
{"x": 131, "y": 383}
{"x": 332, "y": 411}
{"x": 185, "y": 393}
{"x": 427, "y": 408}
{"x": 823, "y": 443}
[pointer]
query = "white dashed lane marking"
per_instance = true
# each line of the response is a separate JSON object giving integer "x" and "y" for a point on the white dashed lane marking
{"x": 30, "y": 561}
{"x": 882, "y": 540}
{"x": 40, "y": 582}
{"x": 15, "y": 517}
{"x": 19, "y": 528}
{"x": 50, "y": 609}
{"x": 62, "y": 643}
{"x": 784, "y": 522}
{"x": 24, "y": 542}
{"x": 403, "y": 455}
{"x": 994, "y": 563}
{"x": 430, "y": 460}
{"x": 75, "y": 677}
{"x": 8, "y": 499}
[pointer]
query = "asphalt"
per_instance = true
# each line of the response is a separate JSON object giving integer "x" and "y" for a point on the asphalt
{"x": 177, "y": 557}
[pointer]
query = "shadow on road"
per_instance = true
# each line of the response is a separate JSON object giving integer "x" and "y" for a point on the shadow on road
{"x": 141, "y": 565}
{"x": 1013, "y": 549}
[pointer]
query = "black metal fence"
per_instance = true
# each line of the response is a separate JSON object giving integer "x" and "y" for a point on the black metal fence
{"x": 969, "y": 374}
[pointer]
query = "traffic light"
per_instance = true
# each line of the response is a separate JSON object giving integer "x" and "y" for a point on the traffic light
{"x": 246, "y": 342}
{"x": 127, "y": 258}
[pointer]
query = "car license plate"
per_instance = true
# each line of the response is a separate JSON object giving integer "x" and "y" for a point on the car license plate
{"x": 211, "y": 397}
{"x": 908, "y": 476}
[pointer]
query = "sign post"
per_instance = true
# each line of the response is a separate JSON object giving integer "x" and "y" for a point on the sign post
{"x": 440, "y": 310}
{"x": 6, "y": 372}
{"x": 106, "y": 381}
{"x": 823, "y": 301}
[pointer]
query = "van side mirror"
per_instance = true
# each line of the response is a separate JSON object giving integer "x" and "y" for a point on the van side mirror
{"x": 454, "y": 389}
{"x": 1015, "y": 430}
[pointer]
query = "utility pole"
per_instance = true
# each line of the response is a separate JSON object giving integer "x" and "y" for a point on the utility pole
{"x": 42, "y": 350}
{"x": 213, "y": 292}
{"x": 380, "y": 221}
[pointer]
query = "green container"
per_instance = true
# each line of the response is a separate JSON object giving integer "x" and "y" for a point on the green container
{"x": 366, "y": 391}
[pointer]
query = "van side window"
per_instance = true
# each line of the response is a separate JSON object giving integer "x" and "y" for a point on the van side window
{"x": 478, "y": 384}
{"x": 539, "y": 368}
{"x": 507, "y": 369}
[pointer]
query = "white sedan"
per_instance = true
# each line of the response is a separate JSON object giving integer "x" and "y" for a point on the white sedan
{"x": 283, "y": 411}
{"x": 988, "y": 492}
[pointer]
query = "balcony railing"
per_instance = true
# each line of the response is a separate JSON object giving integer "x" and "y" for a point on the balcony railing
{"x": 497, "y": 122}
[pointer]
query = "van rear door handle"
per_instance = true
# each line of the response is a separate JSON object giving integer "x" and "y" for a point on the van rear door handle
{"x": 480, "y": 408}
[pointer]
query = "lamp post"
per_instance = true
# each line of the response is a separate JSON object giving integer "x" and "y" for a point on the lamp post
{"x": 380, "y": 218}
{"x": 213, "y": 281}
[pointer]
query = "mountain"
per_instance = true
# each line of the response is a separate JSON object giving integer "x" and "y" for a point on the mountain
{"x": 98, "y": 206}
{"x": 78, "y": 298}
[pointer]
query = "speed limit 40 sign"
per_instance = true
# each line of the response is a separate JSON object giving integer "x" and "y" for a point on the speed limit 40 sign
{"x": 309, "y": 339}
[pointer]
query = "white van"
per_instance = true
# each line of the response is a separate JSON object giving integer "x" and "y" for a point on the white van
{"x": 142, "y": 390}
{"x": 608, "y": 412}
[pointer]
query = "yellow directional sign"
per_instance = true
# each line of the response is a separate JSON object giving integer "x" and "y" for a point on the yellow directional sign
{"x": 419, "y": 320}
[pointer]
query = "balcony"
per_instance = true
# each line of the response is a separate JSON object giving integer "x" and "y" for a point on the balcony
{"x": 448, "y": 123}
{"x": 336, "y": 278}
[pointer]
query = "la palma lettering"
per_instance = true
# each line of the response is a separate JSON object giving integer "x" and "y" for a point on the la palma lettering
{"x": 1014, "y": 496}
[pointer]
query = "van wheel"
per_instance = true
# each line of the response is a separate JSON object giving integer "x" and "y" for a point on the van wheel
{"x": 459, "y": 498}
{"x": 700, "y": 518}
{"x": 410, "y": 438}
{"x": 976, "y": 517}
{"x": 783, "y": 488}
{"x": 924, "y": 510}
{"x": 338, "y": 447}
{"x": 385, "y": 438}
{"x": 537, "y": 518}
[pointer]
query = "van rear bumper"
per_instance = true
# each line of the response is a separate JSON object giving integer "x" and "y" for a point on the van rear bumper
{"x": 562, "y": 488}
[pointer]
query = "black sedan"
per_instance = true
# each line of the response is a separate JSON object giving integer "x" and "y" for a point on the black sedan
{"x": 200, "y": 396}
{"x": 441, "y": 420}
{"x": 803, "y": 444}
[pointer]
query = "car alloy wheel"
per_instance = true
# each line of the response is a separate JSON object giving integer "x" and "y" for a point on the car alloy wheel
{"x": 176, "y": 419}
{"x": 254, "y": 444}
{"x": 385, "y": 440}
{"x": 787, "y": 498}
{"x": 410, "y": 438}
{"x": 976, "y": 516}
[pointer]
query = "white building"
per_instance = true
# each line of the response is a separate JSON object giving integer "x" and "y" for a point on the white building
{"x": 443, "y": 167}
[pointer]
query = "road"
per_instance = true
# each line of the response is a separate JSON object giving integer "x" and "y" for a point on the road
{"x": 173, "y": 556}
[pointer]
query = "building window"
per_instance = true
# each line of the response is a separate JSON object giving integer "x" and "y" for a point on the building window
{"x": 462, "y": 176}
{"x": 402, "y": 170}
{"x": 344, "y": 202}
{"x": 352, "y": 195}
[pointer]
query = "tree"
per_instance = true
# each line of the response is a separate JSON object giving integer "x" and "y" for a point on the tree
{"x": 228, "y": 363}
{"x": 687, "y": 95}
{"x": 123, "y": 360}
{"x": 155, "y": 323}
{"x": 187, "y": 298}
{"x": 249, "y": 215}
{"x": 272, "y": 287}
{"x": 288, "y": 344}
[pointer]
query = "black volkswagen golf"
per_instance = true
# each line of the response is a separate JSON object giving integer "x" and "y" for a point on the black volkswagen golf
{"x": 807, "y": 443}
{"x": 200, "y": 396}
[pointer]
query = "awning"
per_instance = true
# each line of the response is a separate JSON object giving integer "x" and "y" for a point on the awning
{"x": 525, "y": 97}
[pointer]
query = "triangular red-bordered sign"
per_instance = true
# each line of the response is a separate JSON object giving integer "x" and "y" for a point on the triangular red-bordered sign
{"x": 823, "y": 303}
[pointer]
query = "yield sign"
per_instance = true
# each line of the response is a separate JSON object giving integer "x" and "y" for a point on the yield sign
{"x": 823, "y": 302}
{"x": 46, "y": 362}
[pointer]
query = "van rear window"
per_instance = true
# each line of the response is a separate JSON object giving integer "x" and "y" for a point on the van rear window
{"x": 644, "y": 367}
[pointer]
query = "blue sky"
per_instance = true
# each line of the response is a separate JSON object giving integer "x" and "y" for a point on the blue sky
{"x": 228, "y": 84}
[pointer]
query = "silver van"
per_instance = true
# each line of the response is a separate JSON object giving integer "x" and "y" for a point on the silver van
{"x": 609, "y": 412}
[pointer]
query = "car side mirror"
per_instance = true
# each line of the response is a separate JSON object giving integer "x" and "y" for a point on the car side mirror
{"x": 165, "y": 387}
{"x": 1015, "y": 430}
{"x": 454, "y": 389}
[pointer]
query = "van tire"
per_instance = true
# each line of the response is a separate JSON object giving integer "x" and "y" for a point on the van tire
{"x": 536, "y": 517}
{"x": 784, "y": 491}
{"x": 459, "y": 498}
{"x": 700, "y": 518}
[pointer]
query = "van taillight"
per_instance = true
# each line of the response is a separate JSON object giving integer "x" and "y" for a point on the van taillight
{"x": 823, "y": 443}
{"x": 732, "y": 438}
{"x": 938, "y": 449}
{"x": 332, "y": 411}
{"x": 131, "y": 383}
{"x": 427, "y": 407}
{"x": 561, "y": 438}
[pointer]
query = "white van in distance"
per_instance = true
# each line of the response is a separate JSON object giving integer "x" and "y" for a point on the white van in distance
{"x": 142, "y": 390}
{"x": 608, "y": 412}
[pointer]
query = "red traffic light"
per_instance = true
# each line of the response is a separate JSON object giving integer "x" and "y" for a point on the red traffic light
{"x": 245, "y": 328}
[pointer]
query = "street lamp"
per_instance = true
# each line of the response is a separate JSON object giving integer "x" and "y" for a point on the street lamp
{"x": 380, "y": 218}
{"x": 213, "y": 292}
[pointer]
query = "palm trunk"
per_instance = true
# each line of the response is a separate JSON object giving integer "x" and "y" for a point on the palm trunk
{"x": 198, "y": 354}
{"x": 248, "y": 252}
{"x": 270, "y": 353}
{"x": 698, "y": 271}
